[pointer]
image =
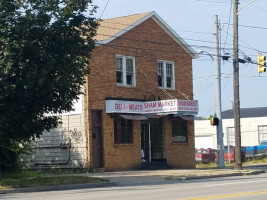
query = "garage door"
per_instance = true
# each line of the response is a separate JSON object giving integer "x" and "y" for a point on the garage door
{"x": 204, "y": 142}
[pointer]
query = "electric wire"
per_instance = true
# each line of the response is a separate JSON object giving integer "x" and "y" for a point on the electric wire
{"x": 104, "y": 9}
{"x": 210, "y": 1}
{"x": 230, "y": 14}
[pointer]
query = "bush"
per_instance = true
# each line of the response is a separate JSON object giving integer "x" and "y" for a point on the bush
{"x": 10, "y": 155}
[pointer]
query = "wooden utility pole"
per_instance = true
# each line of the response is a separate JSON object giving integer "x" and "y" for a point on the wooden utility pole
{"x": 238, "y": 159}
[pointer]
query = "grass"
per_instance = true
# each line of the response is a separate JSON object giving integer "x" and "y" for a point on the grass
{"x": 249, "y": 162}
{"x": 27, "y": 178}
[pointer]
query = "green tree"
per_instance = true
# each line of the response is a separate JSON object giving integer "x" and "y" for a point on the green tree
{"x": 45, "y": 46}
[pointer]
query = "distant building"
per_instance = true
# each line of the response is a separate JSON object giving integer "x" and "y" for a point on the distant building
{"x": 253, "y": 124}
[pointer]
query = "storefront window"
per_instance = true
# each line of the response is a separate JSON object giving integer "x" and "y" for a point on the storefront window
{"x": 179, "y": 130}
{"x": 123, "y": 131}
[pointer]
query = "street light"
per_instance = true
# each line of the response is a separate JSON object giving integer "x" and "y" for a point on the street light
{"x": 220, "y": 146}
{"x": 200, "y": 51}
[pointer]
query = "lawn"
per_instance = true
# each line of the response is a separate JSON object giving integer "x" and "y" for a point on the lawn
{"x": 27, "y": 178}
{"x": 249, "y": 162}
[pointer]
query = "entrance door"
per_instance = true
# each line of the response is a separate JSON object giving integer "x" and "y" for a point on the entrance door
{"x": 97, "y": 139}
{"x": 152, "y": 140}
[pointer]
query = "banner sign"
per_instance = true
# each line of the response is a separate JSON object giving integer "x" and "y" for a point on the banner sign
{"x": 148, "y": 107}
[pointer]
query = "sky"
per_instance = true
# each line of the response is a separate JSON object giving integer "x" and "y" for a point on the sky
{"x": 193, "y": 20}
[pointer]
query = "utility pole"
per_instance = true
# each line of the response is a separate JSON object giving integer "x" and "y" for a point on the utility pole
{"x": 238, "y": 160}
{"x": 217, "y": 70}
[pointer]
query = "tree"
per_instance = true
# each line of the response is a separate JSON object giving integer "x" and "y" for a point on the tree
{"x": 45, "y": 46}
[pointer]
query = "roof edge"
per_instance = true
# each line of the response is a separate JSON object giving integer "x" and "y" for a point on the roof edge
{"x": 126, "y": 29}
{"x": 174, "y": 35}
{"x": 162, "y": 24}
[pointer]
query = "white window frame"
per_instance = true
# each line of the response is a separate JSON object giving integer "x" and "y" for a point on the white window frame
{"x": 262, "y": 133}
{"x": 124, "y": 77}
{"x": 164, "y": 62}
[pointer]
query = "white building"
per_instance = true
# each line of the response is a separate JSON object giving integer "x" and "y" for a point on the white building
{"x": 253, "y": 125}
{"x": 64, "y": 146}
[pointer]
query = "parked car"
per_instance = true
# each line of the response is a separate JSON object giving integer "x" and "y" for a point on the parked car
{"x": 256, "y": 151}
{"x": 230, "y": 155}
{"x": 263, "y": 143}
{"x": 205, "y": 155}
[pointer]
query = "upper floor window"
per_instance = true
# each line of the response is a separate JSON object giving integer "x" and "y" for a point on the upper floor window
{"x": 166, "y": 75}
{"x": 125, "y": 70}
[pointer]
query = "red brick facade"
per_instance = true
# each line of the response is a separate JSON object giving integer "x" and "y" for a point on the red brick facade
{"x": 147, "y": 43}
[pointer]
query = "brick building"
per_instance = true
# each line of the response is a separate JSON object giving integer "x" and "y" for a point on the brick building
{"x": 138, "y": 103}
{"x": 139, "y": 96}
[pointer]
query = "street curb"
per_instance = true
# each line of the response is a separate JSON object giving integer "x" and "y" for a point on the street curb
{"x": 58, "y": 187}
{"x": 183, "y": 178}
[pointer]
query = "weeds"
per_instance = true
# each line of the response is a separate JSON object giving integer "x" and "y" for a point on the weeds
{"x": 28, "y": 178}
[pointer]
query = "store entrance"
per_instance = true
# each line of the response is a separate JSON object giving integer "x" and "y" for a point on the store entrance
{"x": 152, "y": 141}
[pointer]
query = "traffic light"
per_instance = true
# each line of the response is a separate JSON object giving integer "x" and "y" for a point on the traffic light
{"x": 261, "y": 63}
{"x": 214, "y": 121}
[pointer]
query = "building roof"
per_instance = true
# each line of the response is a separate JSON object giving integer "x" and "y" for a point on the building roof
{"x": 110, "y": 29}
{"x": 246, "y": 113}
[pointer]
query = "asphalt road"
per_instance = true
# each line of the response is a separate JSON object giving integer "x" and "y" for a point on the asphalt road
{"x": 228, "y": 188}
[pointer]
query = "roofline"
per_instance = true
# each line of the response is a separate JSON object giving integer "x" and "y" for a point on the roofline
{"x": 174, "y": 35}
{"x": 162, "y": 24}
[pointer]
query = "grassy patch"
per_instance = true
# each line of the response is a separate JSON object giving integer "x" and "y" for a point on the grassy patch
{"x": 248, "y": 162}
{"x": 257, "y": 161}
{"x": 22, "y": 179}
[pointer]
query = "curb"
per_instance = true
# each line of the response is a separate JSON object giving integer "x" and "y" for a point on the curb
{"x": 183, "y": 178}
{"x": 58, "y": 187}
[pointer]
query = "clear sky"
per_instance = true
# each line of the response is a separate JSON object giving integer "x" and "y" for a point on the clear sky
{"x": 193, "y": 20}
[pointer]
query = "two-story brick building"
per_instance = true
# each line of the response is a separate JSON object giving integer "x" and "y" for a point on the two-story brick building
{"x": 138, "y": 103}
{"x": 139, "y": 94}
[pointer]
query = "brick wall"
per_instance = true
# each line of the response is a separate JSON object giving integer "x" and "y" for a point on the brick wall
{"x": 180, "y": 155}
{"x": 102, "y": 83}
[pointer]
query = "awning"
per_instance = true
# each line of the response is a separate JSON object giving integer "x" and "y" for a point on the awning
{"x": 134, "y": 117}
{"x": 187, "y": 117}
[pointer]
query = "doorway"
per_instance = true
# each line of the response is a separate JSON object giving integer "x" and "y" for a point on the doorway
{"x": 97, "y": 139}
{"x": 152, "y": 140}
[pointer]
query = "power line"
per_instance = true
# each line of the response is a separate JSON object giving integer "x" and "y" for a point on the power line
{"x": 249, "y": 26}
{"x": 210, "y": 1}
{"x": 249, "y": 46}
{"x": 228, "y": 24}
{"x": 189, "y": 39}
{"x": 104, "y": 9}
{"x": 159, "y": 35}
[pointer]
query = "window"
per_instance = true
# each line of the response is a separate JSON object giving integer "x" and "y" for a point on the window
{"x": 125, "y": 71}
{"x": 179, "y": 130}
{"x": 262, "y": 131}
{"x": 123, "y": 131}
{"x": 230, "y": 136}
{"x": 166, "y": 75}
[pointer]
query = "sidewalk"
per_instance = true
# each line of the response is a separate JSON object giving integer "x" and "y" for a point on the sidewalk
{"x": 165, "y": 176}
{"x": 138, "y": 177}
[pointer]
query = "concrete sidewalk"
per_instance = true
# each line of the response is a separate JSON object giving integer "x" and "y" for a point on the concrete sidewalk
{"x": 139, "y": 177}
{"x": 165, "y": 176}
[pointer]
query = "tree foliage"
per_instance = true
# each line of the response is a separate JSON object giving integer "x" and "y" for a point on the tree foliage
{"x": 45, "y": 46}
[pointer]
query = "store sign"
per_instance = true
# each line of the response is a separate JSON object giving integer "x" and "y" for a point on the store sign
{"x": 148, "y": 107}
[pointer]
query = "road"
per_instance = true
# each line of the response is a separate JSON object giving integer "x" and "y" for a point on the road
{"x": 228, "y": 188}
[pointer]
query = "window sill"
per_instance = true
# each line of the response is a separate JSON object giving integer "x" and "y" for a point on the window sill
{"x": 126, "y": 86}
{"x": 123, "y": 144}
{"x": 170, "y": 89}
{"x": 180, "y": 143}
